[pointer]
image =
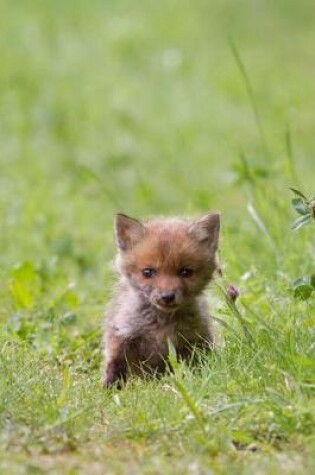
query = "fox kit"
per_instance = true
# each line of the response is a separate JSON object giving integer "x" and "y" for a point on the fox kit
{"x": 164, "y": 266}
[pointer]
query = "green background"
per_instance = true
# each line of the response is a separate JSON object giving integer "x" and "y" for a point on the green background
{"x": 143, "y": 107}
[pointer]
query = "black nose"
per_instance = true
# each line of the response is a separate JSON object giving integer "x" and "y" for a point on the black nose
{"x": 168, "y": 297}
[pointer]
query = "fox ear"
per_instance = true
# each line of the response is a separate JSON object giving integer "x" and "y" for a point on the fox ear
{"x": 207, "y": 230}
{"x": 128, "y": 231}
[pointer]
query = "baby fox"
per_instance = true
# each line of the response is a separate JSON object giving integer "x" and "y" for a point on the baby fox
{"x": 164, "y": 266}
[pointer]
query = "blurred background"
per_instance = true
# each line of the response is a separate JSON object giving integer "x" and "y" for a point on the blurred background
{"x": 146, "y": 108}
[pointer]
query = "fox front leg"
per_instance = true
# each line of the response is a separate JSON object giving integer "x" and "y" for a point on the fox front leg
{"x": 115, "y": 370}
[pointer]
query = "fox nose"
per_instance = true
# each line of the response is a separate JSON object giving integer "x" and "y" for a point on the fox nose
{"x": 168, "y": 297}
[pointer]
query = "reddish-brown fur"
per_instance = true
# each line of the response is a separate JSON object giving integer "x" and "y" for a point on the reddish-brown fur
{"x": 148, "y": 312}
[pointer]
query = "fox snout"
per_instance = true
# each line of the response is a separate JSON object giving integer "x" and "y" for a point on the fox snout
{"x": 167, "y": 299}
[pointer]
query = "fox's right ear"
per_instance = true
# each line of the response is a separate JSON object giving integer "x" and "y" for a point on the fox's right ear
{"x": 128, "y": 231}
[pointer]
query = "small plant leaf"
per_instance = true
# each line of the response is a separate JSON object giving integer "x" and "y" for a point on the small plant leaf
{"x": 69, "y": 318}
{"x": 305, "y": 280}
{"x": 300, "y": 206}
{"x": 303, "y": 287}
{"x": 302, "y": 221}
{"x": 24, "y": 285}
{"x": 303, "y": 291}
{"x": 70, "y": 299}
{"x": 298, "y": 193}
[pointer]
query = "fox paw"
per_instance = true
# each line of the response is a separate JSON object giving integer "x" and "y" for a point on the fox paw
{"x": 113, "y": 379}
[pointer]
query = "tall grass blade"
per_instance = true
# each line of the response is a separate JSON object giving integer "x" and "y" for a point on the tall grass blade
{"x": 191, "y": 404}
{"x": 251, "y": 95}
{"x": 290, "y": 155}
{"x": 260, "y": 225}
{"x": 110, "y": 195}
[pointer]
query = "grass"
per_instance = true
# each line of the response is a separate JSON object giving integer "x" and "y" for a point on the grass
{"x": 144, "y": 108}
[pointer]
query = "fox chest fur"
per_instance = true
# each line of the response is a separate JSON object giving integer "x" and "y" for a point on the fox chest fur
{"x": 147, "y": 332}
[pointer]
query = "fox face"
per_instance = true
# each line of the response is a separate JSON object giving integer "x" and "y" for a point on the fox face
{"x": 168, "y": 261}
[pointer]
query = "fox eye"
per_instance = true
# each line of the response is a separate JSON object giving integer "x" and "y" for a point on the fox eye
{"x": 148, "y": 272}
{"x": 186, "y": 272}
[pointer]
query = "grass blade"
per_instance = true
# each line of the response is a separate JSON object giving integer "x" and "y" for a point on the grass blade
{"x": 251, "y": 95}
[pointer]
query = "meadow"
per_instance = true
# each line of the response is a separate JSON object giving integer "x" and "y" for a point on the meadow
{"x": 170, "y": 108}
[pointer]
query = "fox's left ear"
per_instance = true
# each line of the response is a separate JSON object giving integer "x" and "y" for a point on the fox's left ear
{"x": 207, "y": 230}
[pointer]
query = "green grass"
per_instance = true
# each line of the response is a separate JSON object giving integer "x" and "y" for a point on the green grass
{"x": 169, "y": 107}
